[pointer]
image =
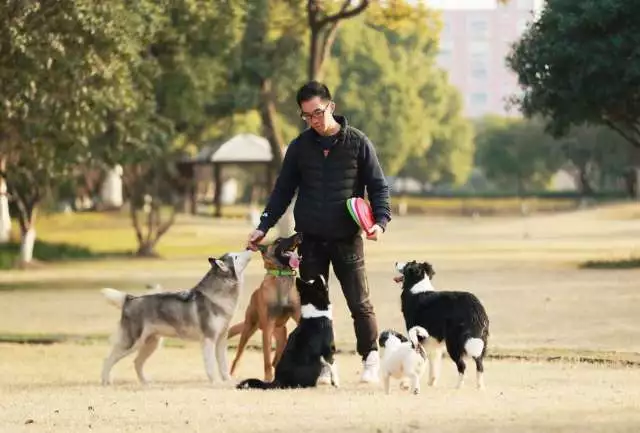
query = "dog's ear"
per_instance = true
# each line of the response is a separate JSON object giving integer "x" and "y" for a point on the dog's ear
{"x": 219, "y": 264}
{"x": 382, "y": 340}
{"x": 428, "y": 269}
{"x": 297, "y": 239}
{"x": 320, "y": 282}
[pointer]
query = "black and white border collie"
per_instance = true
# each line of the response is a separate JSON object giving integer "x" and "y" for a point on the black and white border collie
{"x": 455, "y": 320}
{"x": 310, "y": 347}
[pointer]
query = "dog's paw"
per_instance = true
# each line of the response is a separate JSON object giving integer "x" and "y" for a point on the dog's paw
{"x": 335, "y": 381}
{"x": 416, "y": 391}
{"x": 404, "y": 385}
{"x": 326, "y": 376}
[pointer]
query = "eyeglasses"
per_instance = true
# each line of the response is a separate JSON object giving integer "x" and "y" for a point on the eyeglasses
{"x": 315, "y": 114}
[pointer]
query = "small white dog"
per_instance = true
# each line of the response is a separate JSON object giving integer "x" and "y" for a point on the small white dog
{"x": 404, "y": 358}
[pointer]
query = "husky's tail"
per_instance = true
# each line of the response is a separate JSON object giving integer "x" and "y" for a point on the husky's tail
{"x": 115, "y": 297}
{"x": 257, "y": 384}
{"x": 474, "y": 347}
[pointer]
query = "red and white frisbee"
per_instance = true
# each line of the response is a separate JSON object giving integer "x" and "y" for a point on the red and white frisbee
{"x": 361, "y": 213}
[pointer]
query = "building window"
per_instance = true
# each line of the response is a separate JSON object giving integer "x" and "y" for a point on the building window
{"x": 479, "y": 61}
{"x": 479, "y": 100}
{"x": 446, "y": 31}
{"x": 444, "y": 56}
{"x": 479, "y": 71}
{"x": 479, "y": 48}
{"x": 478, "y": 29}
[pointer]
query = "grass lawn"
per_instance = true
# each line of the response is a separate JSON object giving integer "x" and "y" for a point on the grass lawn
{"x": 564, "y": 352}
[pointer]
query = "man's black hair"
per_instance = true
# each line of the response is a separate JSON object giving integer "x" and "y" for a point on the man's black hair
{"x": 312, "y": 89}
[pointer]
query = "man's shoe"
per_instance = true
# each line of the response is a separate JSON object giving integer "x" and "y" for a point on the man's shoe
{"x": 371, "y": 368}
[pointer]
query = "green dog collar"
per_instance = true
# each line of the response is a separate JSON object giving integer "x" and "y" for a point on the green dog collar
{"x": 281, "y": 272}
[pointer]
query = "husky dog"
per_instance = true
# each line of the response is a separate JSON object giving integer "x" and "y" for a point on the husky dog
{"x": 455, "y": 320}
{"x": 310, "y": 346}
{"x": 403, "y": 358}
{"x": 201, "y": 313}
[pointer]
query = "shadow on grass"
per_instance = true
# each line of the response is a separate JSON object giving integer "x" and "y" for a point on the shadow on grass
{"x": 45, "y": 339}
{"x": 54, "y": 252}
{"x": 604, "y": 358}
{"x": 630, "y": 263}
{"x": 73, "y": 284}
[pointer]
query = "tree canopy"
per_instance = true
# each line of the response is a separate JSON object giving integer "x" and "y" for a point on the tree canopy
{"x": 579, "y": 63}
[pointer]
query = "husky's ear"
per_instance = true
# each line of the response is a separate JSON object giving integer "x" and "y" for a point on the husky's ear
{"x": 219, "y": 263}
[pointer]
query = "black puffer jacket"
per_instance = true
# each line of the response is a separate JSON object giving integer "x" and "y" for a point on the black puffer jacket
{"x": 324, "y": 183}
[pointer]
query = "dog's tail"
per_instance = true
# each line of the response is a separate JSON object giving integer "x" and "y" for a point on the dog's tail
{"x": 257, "y": 384}
{"x": 474, "y": 347}
{"x": 418, "y": 335}
{"x": 115, "y": 297}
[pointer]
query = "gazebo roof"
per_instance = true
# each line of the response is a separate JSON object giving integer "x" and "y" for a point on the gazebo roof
{"x": 242, "y": 148}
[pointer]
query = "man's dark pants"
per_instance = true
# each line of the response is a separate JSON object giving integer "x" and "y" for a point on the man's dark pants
{"x": 347, "y": 259}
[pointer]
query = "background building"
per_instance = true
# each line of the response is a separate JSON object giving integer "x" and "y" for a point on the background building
{"x": 476, "y": 37}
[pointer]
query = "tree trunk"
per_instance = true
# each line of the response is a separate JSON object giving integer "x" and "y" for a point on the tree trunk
{"x": 585, "y": 183}
{"x": 155, "y": 228}
{"x": 5, "y": 218}
{"x": 269, "y": 124}
{"x": 27, "y": 219}
{"x": 27, "y": 243}
{"x": 147, "y": 249}
{"x": 320, "y": 47}
{"x": 139, "y": 186}
{"x": 323, "y": 32}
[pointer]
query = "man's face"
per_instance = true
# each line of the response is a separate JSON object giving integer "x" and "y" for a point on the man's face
{"x": 317, "y": 113}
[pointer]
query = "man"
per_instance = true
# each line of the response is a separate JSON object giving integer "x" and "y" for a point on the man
{"x": 329, "y": 163}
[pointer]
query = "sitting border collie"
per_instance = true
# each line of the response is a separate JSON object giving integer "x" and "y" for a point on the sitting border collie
{"x": 454, "y": 319}
{"x": 403, "y": 358}
{"x": 309, "y": 347}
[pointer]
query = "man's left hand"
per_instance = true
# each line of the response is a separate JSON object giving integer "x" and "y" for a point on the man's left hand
{"x": 376, "y": 232}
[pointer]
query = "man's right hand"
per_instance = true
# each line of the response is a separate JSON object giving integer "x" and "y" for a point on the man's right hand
{"x": 254, "y": 238}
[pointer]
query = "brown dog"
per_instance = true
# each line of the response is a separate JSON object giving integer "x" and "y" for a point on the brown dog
{"x": 273, "y": 303}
